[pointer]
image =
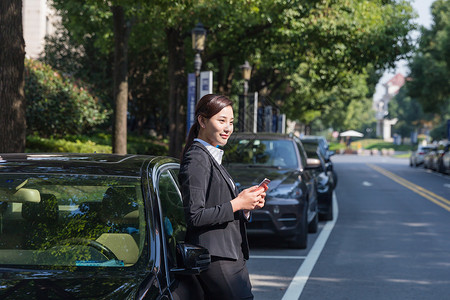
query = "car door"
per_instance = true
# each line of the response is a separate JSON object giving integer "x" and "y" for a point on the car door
{"x": 173, "y": 225}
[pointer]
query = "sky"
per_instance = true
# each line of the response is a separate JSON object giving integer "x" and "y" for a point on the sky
{"x": 422, "y": 7}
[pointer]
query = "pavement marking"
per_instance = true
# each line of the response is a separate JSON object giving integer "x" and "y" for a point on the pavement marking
{"x": 436, "y": 199}
{"x": 277, "y": 257}
{"x": 366, "y": 183}
{"x": 447, "y": 185}
{"x": 297, "y": 284}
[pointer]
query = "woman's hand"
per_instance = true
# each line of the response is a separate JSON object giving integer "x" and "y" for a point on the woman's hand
{"x": 249, "y": 199}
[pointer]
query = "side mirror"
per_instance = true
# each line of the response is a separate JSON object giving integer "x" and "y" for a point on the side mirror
{"x": 313, "y": 163}
{"x": 191, "y": 259}
{"x": 331, "y": 152}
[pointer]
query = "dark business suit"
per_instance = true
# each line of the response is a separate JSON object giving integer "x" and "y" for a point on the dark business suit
{"x": 207, "y": 191}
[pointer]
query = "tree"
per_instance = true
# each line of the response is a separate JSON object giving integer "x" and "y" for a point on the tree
{"x": 122, "y": 29}
{"x": 430, "y": 66}
{"x": 313, "y": 56}
{"x": 12, "y": 55}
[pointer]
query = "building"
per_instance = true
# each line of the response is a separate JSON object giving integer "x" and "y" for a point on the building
{"x": 381, "y": 106}
{"x": 38, "y": 21}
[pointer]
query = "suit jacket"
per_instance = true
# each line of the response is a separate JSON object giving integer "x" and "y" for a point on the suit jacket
{"x": 207, "y": 190}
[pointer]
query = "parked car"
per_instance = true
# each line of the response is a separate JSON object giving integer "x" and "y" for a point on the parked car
{"x": 324, "y": 151}
{"x": 417, "y": 157}
{"x": 444, "y": 161}
{"x": 430, "y": 159}
{"x": 291, "y": 209}
{"x": 97, "y": 226}
{"x": 325, "y": 184}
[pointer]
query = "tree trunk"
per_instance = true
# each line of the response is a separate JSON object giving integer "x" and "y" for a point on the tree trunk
{"x": 12, "y": 99}
{"x": 177, "y": 88}
{"x": 121, "y": 34}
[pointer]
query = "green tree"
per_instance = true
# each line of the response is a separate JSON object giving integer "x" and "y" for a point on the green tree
{"x": 12, "y": 55}
{"x": 430, "y": 66}
{"x": 409, "y": 113}
{"x": 314, "y": 57}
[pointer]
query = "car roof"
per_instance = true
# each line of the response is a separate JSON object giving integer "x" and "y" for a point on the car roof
{"x": 71, "y": 163}
{"x": 261, "y": 135}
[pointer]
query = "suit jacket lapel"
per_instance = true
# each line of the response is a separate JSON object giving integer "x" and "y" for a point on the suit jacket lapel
{"x": 221, "y": 169}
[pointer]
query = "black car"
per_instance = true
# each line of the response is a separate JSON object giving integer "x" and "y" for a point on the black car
{"x": 291, "y": 202}
{"x": 325, "y": 181}
{"x": 324, "y": 151}
{"x": 94, "y": 226}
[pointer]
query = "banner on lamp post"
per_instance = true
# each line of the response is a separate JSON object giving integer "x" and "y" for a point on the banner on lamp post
{"x": 206, "y": 83}
{"x": 190, "y": 116}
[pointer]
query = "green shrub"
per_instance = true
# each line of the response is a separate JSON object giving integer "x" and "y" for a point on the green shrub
{"x": 96, "y": 143}
{"x": 39, "y": 144}
{"x": 57, "y": 106}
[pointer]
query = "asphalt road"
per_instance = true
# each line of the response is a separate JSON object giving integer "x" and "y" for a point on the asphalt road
{"x": 390, "y": 240}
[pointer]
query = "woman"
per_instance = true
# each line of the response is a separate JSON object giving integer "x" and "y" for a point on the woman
{"x": 215, "y": 212}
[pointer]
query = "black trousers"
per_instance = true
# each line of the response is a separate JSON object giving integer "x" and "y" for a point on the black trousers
{"x": 226, "y": 279}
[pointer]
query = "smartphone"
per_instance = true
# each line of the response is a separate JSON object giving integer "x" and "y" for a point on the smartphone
{"x": 264, "y": 182}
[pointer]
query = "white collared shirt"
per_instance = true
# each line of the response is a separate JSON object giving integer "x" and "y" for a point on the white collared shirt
{"x": 215, "y": 152}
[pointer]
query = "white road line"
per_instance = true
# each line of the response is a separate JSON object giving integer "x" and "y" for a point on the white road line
{"x": 277, "y": 257}
{"x": 295, "y": 289}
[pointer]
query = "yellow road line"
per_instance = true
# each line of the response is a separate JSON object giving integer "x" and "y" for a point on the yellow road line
{"x": 442, "y": 202}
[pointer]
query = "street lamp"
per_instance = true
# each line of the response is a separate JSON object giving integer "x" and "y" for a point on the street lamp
{"x": 198, "y": 45}
{"x": 243, "y": 118}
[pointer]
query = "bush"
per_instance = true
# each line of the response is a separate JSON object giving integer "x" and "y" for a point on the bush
{"x": 57, "y": 106}
{"x": 98, "y": 143}
{"x": 39, "y": 144}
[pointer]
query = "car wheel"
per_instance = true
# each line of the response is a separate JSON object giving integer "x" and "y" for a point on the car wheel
{"x": 335, "y": 178}
{"x": 300, "y": 239}
{"x": 328, "y": 216}
{"x": 314, "y": 224}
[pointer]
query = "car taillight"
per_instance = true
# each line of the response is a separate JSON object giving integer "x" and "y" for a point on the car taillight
{"x": 421, "y": 153}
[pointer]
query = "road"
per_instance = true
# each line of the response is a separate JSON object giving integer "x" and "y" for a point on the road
{"x": 390, "y": 240}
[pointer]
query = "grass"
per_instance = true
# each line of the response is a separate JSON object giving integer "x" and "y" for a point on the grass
{"x": 372, "y": 144}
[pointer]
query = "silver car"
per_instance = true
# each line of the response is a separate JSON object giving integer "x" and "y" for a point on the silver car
{"x": 417, "y": 157}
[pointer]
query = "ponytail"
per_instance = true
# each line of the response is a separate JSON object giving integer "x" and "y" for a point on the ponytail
{"x": 193, "y": 133}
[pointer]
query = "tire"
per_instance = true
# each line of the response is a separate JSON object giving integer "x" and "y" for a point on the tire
{"x": 313, "y": 226}
{"x": 328, "y": 216}
{"x": 335, "y": 178}
{"x": 441, "y": 167}
{"x": 300, "y": 239}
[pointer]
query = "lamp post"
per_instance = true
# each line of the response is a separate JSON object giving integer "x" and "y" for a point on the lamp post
{"x": 246, "y": 74}
{"x": 198, "y": 45}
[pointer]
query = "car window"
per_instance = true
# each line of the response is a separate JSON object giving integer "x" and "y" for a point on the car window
{"x": 174, "y": 223}
{"x": 276, "y": 153}
{"x": 311, "y": 150}
{"x": 71, "y": 220}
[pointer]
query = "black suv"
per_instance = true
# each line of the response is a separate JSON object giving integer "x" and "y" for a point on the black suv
{"x": 94, "y": 226}
{"x": 291, "y": 209}
{"x": 324, "y": 150}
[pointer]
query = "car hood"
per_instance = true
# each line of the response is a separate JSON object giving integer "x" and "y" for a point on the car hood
{"x": 32, "y": 284}
{"x": 282, "y": 181}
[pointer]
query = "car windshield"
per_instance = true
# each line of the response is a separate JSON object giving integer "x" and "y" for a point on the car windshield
{"x": 70, "y": 220}
{"x": 264, "y": 153}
